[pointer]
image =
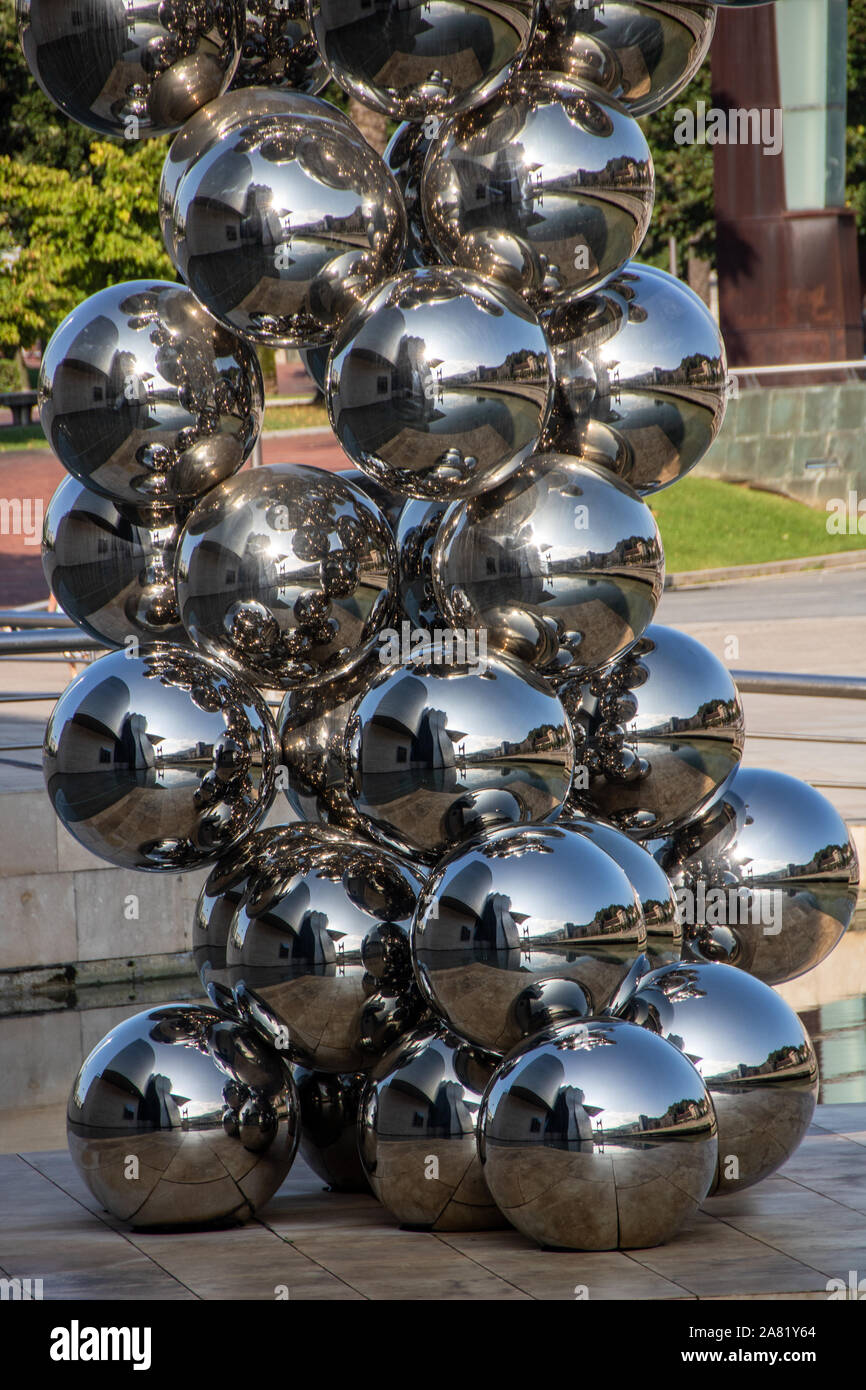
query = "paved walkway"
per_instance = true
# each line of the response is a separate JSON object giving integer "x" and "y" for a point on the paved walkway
{"x": 783, "y": 1239}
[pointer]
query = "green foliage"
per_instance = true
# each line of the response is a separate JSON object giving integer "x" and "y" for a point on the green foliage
{"x": 684, "y": 205}
{"x": 10, "y": 375}
{"x": 855, "y": 191}
{"x": 34, "y": 130}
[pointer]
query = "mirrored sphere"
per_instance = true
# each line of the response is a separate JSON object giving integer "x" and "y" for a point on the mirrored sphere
{"x": 318, "y": 953}
{"x": 659, "y": 731}
{"x": 207, "y": 1109}
{"x": 390, "y": 504}
{"x": 416, "y": 531}
{"x": 284, "y": 224}
{"x": 641, "y": 377}
{"x": 753, "y": 1052}
{"x": 653, "y": 887}
{"x": 562, "y": 564}
{"x": 288, "y": 573}
{"x": 113, "y": 575}
{"x": 548, "y": 189}
{"x": 159, "y": 761}
{"x": 641, "y": 53}
{"x": 522, "y": 930}
{"x": 767, "y": 876}
{"x": 315, "y": 362}
{"x": 439, "y": 385}
{"x": 330, "y": 1105}
{"x": 411, "y": 59}
{"x": 145, "y": 398}
{"x": 438, "y": 752}
{"x": 278, "y": 49}
{"x": 418, "y": 1133}
{"x": 404, "y": 155}
{"x": 131, "y": 67}
{"x": 597, "y": 1137}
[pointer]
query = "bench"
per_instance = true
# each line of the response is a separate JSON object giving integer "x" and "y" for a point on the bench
{"x": 21, "y": 404}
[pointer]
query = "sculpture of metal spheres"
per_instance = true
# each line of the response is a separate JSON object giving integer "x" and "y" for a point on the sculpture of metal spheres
{"x": 318, "y": 953}
{"x": 522, "y": 930}
{"x": 390, "y": 504}
{"x": 113, "y": 574}
{"x": 159, "y": 761}
{"x": 641, "y": 377}
{"x": 417, "y": 1133}
{"x": 753, "y": 1052}
{"x": 416, "y": 532}
{"x": 659, "y": 731}
{"x": 131, "y": 67}
{"x": 145, "y": 398}
{"x": 208, "y": 1111}
{"x": 404, "y": 155}
{"x": 287, "y": 573}
{"x": 767, "y": 877}
{"x": 285, "y": 224}
{"x": 597, "y": 1137}
{"x": 412, "y": 60}
{"x": 439, "y": 385}
{"x": 548, "y": 189}
{"x": 330, "y": 1107}
{"x": 438, "y": 752}
{"x": 653, "y": 887}
{"x": 562, "y": 564}
{"x": 279, "y": 50}
{"x": 643, "y": 52}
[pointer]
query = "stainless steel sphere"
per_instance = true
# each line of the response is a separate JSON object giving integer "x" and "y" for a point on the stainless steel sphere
{"x": 182, "y": 1117}
{"x": 404, "y": 155}
{"x": 439, "y": 385}
{"x": 287, "y": 573}
{"x": 598, "y": 1137}
{"x": 315, "y": 361}
{"x": 766, "y": 878}
{"x": 439, "y": 752}
{"x": 146, "y": 399}
{"x": 640, "y": 378}
{"x": 562, "y": 564}
{"x": 659, "y": 731}
{"x": 163, "y": 760}
{"x": 284, "y": 224}
{"x": 418, "y": 1133}
{"x": 318, "y": 953}
{"x": 548, "y": 189}
{"x": 653, "y": 887}
{"x": 330, "y": 1106}
{"x": 642, "y": 52}
{"x": 278, "y": 49}
{"x": 409, "y": 60}
{"x": 753, "y": 1052}
{"x": 112, "y": 573}
{"x": 390, "y": 504}
{"x": 131, "y": 67}
{"x": 417, "y": 529}
{"x": 524, "y": 929}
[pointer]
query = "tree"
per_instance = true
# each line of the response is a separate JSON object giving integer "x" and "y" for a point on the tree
{"x": 34, "y": 130}
{"x": 855, "y": 191}
{"x": 684, "y": 204}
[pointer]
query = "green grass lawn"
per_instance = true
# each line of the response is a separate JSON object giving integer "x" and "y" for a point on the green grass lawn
{"x": 296, "y": 417}
{"x": 706, "y": 524}
{"x": 21, "y": 437}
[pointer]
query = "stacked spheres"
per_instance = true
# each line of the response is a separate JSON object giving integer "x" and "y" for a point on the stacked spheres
{"x": 480, "y": 971}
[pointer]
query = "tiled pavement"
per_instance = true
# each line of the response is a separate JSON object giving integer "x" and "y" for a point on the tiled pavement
{"x": 784, "y": 1239}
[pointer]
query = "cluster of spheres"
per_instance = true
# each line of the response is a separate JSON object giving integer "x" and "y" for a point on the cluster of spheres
{"x": 508, "y": 958}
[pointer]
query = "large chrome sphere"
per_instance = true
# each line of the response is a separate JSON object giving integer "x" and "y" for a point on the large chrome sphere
{"x": 390, "y": 504}
{"x": 311, "y": 725}
{"x": 181, "y": 1117}
{"x": 642, "y": 52}
{"x": 562, "y": 564}
{"x": 163, "y": 760}
{"x": 112, "y": 573}
{"x": 659, "y": 731}
{"x": 418, "y": 1137}
{"x": 598, "y": 1136}
{"x": 767, "y": 877}
{"x": 278, "y": 50}
{"x": 288, "y": 573}
{"x": 753, "y": 1052}
{"x": 409, "y": 60}
{"x": 653, "y": 887}
{"x": 439, "y": 752}
{"x": 416, "y": 531}
{"x": 439, "y": 385}
{"x": 404, "y": 155}
{"x": 131, "y": 67}
{"x": 146, "y": 399}
{"x": 548, "y": 189}
{"x": 284, "y": 224}
{"x": 330, "y": 1106}
{"x": 524, "y": 929}
{"x": 640, "y": 377}
{"x": 318, "y": 953}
